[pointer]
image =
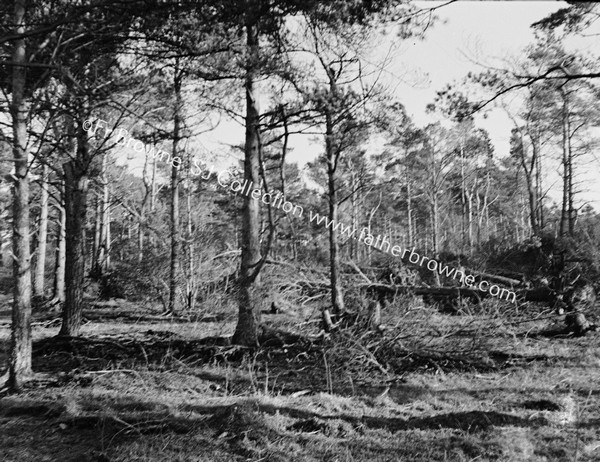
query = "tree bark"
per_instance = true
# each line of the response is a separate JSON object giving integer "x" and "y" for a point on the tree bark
{"x": 409, "y": 205}
{"x": 463, "y": 198}
{"x": 566, "y": 159}
{"x": 95, "y": 266}
{"x": 284, "y": 151}
{"x": 105, "y": 236}
{"x": 59, "y": 267}
{"x": 470, "y": 195}
{"x": 532, "y": 185}
{"x": 191, "y": 276}
{"x": 354, "y": 204}
{"x": 20, "y": 350}
{"x": 246, "y": 331}
{"x": 571, "y": 210}
{"x": 540, "y": 191}
{"x": 435, "y": 225}
{"x": 76, "y": 188}
{"x": 337, "y": 297}
{"x": 40, "y": 272}
{"x": 175, "y": 244}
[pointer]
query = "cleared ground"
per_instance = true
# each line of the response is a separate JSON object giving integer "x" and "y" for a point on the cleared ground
{"x": 481, "y": 386}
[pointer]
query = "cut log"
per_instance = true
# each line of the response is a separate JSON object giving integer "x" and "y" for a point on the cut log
{"x": 386, "y": 291}
{"x": 464, "y": 292}
{"x": 494, "y": 278}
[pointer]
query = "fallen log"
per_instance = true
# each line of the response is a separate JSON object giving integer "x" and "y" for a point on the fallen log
{"x": 494, "y": 278}
{"x": 383, "y": 290}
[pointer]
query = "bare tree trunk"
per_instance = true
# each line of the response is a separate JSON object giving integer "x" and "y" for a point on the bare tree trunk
{"x": 571, "y": 210}
{"x": 566, "y": 157}
{"x": 409, "y": 207}
{"x": 140, "y": 236}
{"x": 153, "y": 193}
{"x": 246, "y": 331}
{"x": 484, "y": 212}
{"x": 59, "y": 266}
{"x": 463, "y": 198}
{"x": 532, "y": 187}
{"x": 122, "y": 239}
{"x": 20, "y": 348}
{"x": 40, "y": 268}
{"x": 106, "y": 237}
{"x": 2, "y": 245}
{"x": 435, "y": 225}
{"x": 478, "y": 221}
{"x": 337, "y": 297}
{"x": 470, "y": 221}
{"x": 191, "y": 279}
{"x": 369, "y": 221}
{"x": 96, "y": 247}
{"x": 142, "y": 217}
{"x": 529, "y": 167}
{"x": 76, "y": 188}
{"x": 540, "y": 190}
{"x": 354, "y": 186}
{"x": 289, "y": 216}
{"x": 175, "y": 244}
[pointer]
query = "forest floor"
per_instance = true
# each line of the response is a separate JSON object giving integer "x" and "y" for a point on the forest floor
{"x": 139, "y": 387}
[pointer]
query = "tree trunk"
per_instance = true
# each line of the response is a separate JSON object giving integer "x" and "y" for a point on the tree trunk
{"x": 61, "y": 246}
{"x": 153, "y": 193}
{"x": 76, "y": 188}
{"x": 2, "y": 245}
{"x": 337, "y": 297}
{"x": 191, "y": 279}
{"x": 354, "y": 205}
{"x": 246, "y": 331}
{"x": 40, "y": 272}
{"x": 142, "y": 218}
{"x": 532, "y": 187}
{"x": 540, "y": 190}
{"x": 566, "y": 156}
{"x": 175, "y": 244}
{"x": 484, "y": 213}
{"x": 409, "y": 207}
{"x": 289, "y": 216}
{"x": 572, "y": 212}
{"x": 463, "y": 199}
{"x": 435, "y": 225}
{"x": 20, "y": 350}
{"x": 469, "y": 221}
{"x": 105, "y": 237}
{"x": 140, "y": 235}
{"x": 95, "y": 267}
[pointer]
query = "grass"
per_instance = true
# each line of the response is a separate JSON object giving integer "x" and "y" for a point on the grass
{"x": 449, "y": 388}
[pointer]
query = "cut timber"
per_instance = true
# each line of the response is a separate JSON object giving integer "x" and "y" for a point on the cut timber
{"x": 435, "y": 292}
{"x": 383, "y": 290}
{"x": 493, "y": 278}
{"x": 540, "y": 294}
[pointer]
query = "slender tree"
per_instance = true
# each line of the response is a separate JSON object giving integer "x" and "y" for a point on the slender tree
{"x": 20, "y": 352}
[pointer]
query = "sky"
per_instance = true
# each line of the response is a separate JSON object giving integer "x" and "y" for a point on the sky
{"x": 465, "y": 31}
{"x": 467, "y": 36}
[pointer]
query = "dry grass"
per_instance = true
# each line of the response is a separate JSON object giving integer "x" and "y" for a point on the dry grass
{"x": 143, "y": 389}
